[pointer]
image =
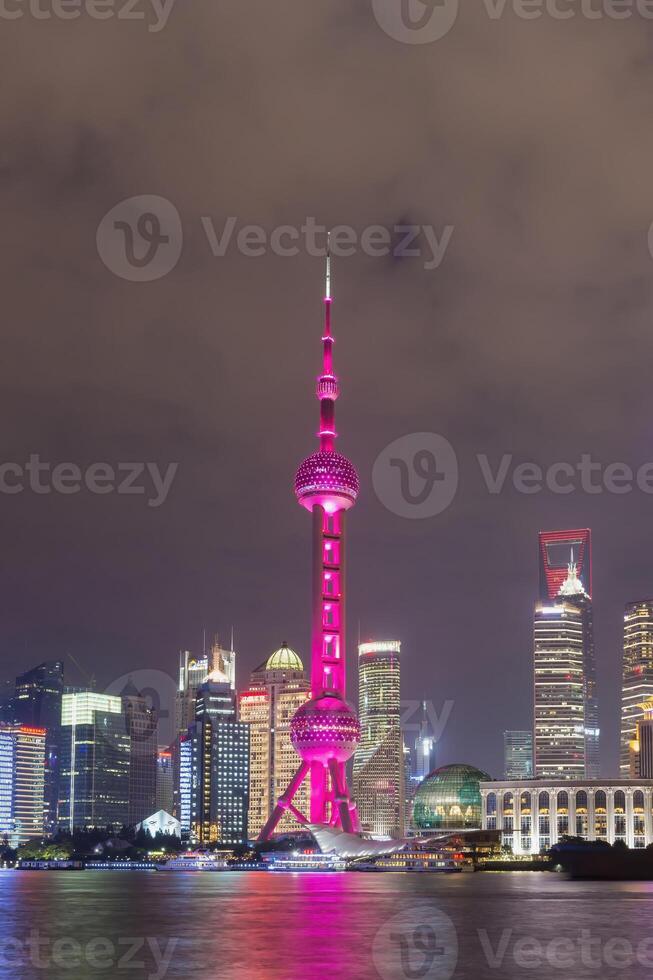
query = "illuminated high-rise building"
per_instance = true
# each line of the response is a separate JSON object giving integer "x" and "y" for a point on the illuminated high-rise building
{"x": 378, "y": 780}
{"x": 559, "y": 709}
{"x": 22, "y": 782}
{"x": 7, "y": 754}
{"x": 566, "y": 727}
{"x": 637, "y": 684}
{"x": 141, "y": 723}
{"x": 8, "y": 703}
{"x": 37, "y": 703}
{"x": 192, "y": 673}
{"x": 518, "y": 755}
{"x": 325, "y": 730}
{"x": 555, "y": 548}
{"x": 224, "y": 660}
{"x": 277, "y": 689}
{"x": 185, "y": 782}
{"x": 423, "y": 749}
{"x": 644, "y": 766}
{"x": 94, "y": 759}
{"x": 165, "y": 780}
{"x": 219, "y": 767}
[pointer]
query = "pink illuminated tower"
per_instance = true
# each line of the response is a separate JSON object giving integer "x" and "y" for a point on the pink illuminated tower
{"x": 325, "y": 730}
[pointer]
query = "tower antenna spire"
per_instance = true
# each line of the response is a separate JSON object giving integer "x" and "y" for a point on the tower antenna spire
{"x": 327, "y": 383}
{"x": 327, "y": 291}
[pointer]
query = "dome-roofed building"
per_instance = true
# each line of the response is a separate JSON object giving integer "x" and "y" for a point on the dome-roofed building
{"x": 278, "y": 687}
{"x": 284, "y": 659}
{"x": 449, "y": 798}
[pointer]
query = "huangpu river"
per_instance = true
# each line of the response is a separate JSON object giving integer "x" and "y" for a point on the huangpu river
{"x": 281, "y": 926}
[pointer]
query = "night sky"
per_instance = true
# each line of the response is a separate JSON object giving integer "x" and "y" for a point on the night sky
{"x": 534, "y": 337}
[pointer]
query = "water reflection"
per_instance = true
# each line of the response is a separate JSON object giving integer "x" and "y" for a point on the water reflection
{"x": 242, "y": 926}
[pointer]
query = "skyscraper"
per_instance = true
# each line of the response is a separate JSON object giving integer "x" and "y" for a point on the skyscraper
{"x": 277, "y": 689}
{"x": 8, "y": 702}
{"x": 7, "y": 752}
{"x": 164, "y": 781}
{"x": 224, "y": 660}
{"x": 566, "y": 728}
{"x": 643, "y": 768}
{"x": 184, "y": 800}
{"x": 518, "y": 755}
{"x": 94, "y": 759}
{"x": 141, "y": 725}
{"x": 423, "y": 749}
{"x": 325, "y": 729}
{"x": 637, "y": 686}
{"x": 219, "y": 761}
{"x": 22, "y": 782}
{"x": 192, "y": 672}
{"x": 37, "y": 704}
{"x": 555, "y": 548}
{"x": 378, "y": 781}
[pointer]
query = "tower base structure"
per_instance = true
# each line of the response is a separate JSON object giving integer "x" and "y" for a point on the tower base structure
{"x": 337, "y": 799}
{"x": 325, "y": 732}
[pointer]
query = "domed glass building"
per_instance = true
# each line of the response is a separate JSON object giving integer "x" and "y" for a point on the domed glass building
{"x": 449, "y": 799}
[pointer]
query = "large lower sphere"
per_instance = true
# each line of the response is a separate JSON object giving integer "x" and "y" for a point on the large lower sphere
{"x": 325, "y": 728}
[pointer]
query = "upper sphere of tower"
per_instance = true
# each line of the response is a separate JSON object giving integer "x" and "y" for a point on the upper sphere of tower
{"x": 329, "y": 479}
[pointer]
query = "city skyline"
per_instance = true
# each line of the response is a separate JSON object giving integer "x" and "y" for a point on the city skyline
{"x": 427, "y": 646}
{"x": 233, "y": 763}
{"x": 610, "y": 734}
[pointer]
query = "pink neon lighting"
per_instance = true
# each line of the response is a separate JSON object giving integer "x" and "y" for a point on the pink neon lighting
{"x": 325, "y": 730}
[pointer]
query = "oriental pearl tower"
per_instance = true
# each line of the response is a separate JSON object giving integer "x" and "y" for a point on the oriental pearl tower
{"x": 325, "y": 730}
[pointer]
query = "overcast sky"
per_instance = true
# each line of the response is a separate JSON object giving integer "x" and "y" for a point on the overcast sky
{"x": 533, "y": 337}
